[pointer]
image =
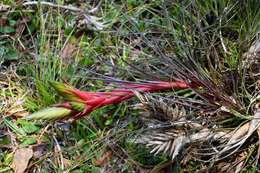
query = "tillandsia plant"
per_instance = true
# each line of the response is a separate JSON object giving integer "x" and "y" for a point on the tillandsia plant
{"x": 210, "y": 50}
{"x": 81, "y": 103}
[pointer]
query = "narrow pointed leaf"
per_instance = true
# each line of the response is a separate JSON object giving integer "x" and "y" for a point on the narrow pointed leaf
{"x": 64, "y": 90}
{"x": 77, "y": 106}
{"x": 52, "y": 113}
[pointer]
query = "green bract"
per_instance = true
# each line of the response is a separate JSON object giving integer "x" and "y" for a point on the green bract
{"x": 52, "y": 113}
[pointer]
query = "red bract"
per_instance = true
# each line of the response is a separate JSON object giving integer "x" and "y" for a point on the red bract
{"x": 81, "y": 103}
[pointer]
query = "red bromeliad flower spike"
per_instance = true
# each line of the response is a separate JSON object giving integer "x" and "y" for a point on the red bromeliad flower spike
{"x": 81, "y": 103}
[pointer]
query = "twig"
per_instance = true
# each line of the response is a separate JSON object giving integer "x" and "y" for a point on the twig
{"x": 66, "y": 7}
{"x": 221, "y": 38}
{"x": 59, "y": 152}
{"x": 89, "y": 20}
{"x": 95, "y": 9}
{"x": 5, "y": 169}
{"x": 43, "y": 131}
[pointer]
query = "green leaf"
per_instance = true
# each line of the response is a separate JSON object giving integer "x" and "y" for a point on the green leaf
{"x": 8, "y": 54}
{"x": 77, "y": 171}
{"x": 6, "y": 29}
{"x": 109, "y": 122}
{"x": 51, "y": 113}
{"x": 7, "y": 158}
{"x": 14, "y": 127}
{"x": 11, "y": 54}
{"x": 95, "y": 169}
{"x": 28, "y": 127}
{"x": 5, "y": 140}
{"x": 77, "y": 106}
{"x": 64, "y": 90}
{"x": 28, "y": 141}
{"x": 12, "y": 22}
{"x": 43, "y": 91}
{"x": 44, "y": 170}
